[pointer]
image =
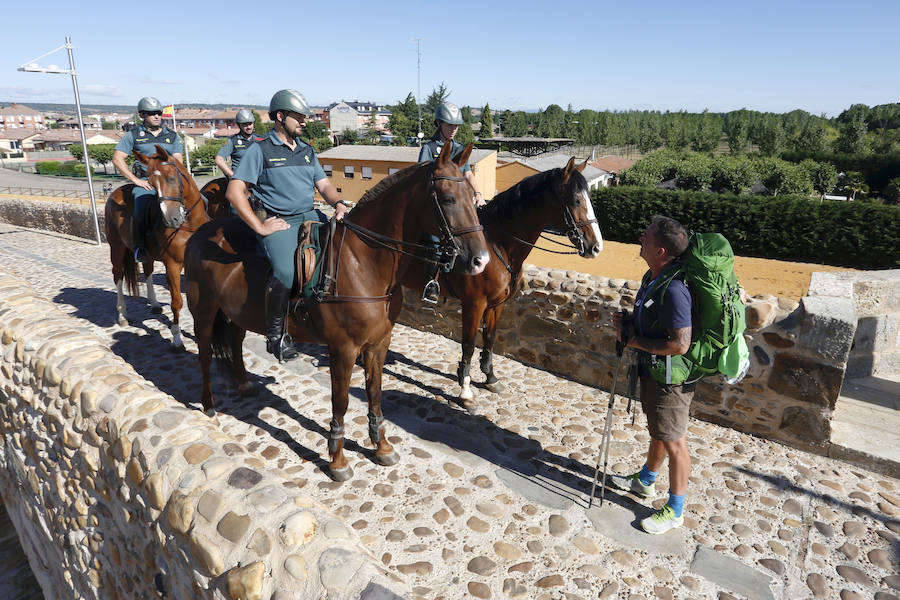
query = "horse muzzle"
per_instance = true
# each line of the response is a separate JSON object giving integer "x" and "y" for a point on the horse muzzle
{"x": 173, "y": 216}
{"x": 475, "y": 263}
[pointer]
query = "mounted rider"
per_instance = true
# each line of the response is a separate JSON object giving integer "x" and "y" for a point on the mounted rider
{"x": 238, "y": 143}
{"x": 447, "y": 119}
{"x": 283, "y": 172}
{"x": 144, "y": 138}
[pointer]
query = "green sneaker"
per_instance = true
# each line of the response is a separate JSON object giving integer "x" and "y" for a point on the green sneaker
{"x": 662, "y": 521}
{"x": 631, "y": 483}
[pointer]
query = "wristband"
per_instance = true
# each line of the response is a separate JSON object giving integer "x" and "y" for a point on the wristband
{"x": 341, "y": 202}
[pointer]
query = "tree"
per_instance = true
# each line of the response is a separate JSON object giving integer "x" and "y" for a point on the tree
{"x": 258, "y": 125}
{"x": 733, "y": 175}
{"x": 706, "y": 136}
{"x": 771, "y": 137}
{"x": 101, "y": 154}
{"x": 811, "y": 140}
{"x": 782, "y": 177}
{"x": 466, "y": 114}
{"x": 465, "y": 135}
{"x": 370, "y": 134}
{"x": 650, "y": 137}
{"x": 349, "y": 136}
{"x": 403, "y": 121}
{"x": 487, "y": 123}
{"x": 109, "y": 125}
{"x": 694, "y": 173}
{"x": 314, "y": 129}
{"x": 205, "y": 155}
{"x": 437, "y": 95}
{"x": 892, "y": 191}
{"x": 854, "y": 185}
{"x": 76, "y": 150}
{"x": 515, "y": 125}
{"x": 737, "y": 128}
{"x": 853, "y": 129}
{"x": 822, "y": 174}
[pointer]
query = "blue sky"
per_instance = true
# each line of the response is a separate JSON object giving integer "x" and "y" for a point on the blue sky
{"x": 772, "y": 56}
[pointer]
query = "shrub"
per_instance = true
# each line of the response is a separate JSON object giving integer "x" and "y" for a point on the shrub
{"x": 73, "y": 169}
{"x": 788, "y": 227}
{"x": 47, "y": 167}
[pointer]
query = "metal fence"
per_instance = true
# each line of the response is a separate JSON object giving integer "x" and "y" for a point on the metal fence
{"x": 75, "y": 196}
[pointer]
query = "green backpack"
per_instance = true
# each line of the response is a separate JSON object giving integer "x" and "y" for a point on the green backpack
{"x": 717, "y": 345}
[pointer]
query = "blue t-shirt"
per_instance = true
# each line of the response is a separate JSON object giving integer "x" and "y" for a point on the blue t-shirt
{"x": 653, "y": 315}
{"x": 283, "y": 179}
{"x": 236, "y": 146}
{"x": 143, "y": 141}
{"x": 432, "y": 149}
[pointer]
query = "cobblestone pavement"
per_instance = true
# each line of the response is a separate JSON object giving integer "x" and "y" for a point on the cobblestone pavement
{"x": 493, "y": 503}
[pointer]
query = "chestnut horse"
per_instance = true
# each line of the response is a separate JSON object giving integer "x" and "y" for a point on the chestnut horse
{"x": 217, "y": 206}
{"x": 556, "y": 200}
{"x": 182, "y": 212}
{"x": 370, "y": 251}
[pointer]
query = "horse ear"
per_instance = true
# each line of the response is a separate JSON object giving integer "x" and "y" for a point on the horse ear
{"x": 143, "y": 158}
{"x": 581, "y": 167}
{"x": 444, "y": 156}
{"x": 463, "y": 156}
{"x": 162, "y": 152}
{"x": 567, "y": 171}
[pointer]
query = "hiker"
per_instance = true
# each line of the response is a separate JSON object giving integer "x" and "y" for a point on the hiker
{"x": 662, "y": 328}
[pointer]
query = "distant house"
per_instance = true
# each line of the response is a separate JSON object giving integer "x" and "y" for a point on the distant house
{"x": 17, "y": 116}
{"x": 61, "y": 139}
{"x": 511, "y": 173}
{"x": 355, "y": 115}
{"x": 355, "y": 169}
{"x": 15, "y": 142}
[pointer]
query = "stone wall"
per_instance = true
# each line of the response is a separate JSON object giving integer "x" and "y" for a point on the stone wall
{"x": 562, "y": 321}
{"x": 61, "y": 217}
{"x": 118, "y": 491}
{"x": 876, "y": 299}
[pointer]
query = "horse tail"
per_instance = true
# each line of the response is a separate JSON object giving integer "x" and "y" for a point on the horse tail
{"x": 130, "y": 272}
{"x": 220, "y": 342}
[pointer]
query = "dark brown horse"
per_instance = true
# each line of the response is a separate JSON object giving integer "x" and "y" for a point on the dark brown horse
{"x": 369, "y": 254}
{"x": 217, "y": 206}
{"x": 556, "y": 200}
{"x": 182, "y": 212}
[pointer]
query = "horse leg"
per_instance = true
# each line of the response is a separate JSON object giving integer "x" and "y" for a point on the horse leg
{"x": 203, "y": 330}
{"x": 173, "y": 277}
{"x": 238, "y": 370}
{"x": 341, "y": 361}
{"x": 120, "y": 302}
{"x": 155, "y": 307}
{"x": 373, "y": 363}
{"x": 488, "y": 334}
{"x": 471, "y": 317}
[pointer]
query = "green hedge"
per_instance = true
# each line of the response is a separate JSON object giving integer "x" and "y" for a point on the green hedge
{"x": 47, "y": 167}
{"x": 73, "y": 169}
{"x": 847, "y": 234}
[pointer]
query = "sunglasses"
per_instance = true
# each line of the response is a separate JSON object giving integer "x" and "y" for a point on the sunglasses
{"x": 157, "y": 113}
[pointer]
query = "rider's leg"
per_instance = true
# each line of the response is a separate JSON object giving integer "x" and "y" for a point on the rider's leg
{"x": 279, "y": 247}
{"x": 432, "y": 290}
{"x": 140, "y": 216}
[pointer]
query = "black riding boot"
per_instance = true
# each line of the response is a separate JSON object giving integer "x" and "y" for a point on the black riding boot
{"x": 137, "y": 236}
{"x": 277, "y": 298}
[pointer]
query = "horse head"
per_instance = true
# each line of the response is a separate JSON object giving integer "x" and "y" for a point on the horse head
{"x": 177, "y": 192}
{"x": 578, "y": 221}
{"x": 455, "y": 217}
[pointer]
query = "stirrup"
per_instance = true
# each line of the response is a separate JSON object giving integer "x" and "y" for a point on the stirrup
{"x": 140, "y": 255}
{"x": 432, "y": 292}
{"x": 281, "y": 348}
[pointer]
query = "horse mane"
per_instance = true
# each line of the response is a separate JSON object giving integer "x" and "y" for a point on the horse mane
{"x": 511, "y": 202}
{"x": 390, "y": 181}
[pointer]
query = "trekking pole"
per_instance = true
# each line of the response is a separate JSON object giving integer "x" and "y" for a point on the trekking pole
{"x": 607, "y": 428}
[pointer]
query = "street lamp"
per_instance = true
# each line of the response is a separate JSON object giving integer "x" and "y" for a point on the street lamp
{"x": 32, "y": 67}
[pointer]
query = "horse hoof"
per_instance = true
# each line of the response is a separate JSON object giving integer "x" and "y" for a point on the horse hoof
{"x": 156, "y": 310}
{"x": 123, "y": 322}
{"x": 247, "y": 389}
{"x": 340, "y": 474}
{"x": 386, "y": 460}
{"x": 176, "y": 349}
{"x": 210, "y": 412}
{"x": 495, "y": 387}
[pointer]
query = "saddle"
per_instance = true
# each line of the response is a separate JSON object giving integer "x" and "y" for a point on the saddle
{"x": 312, "y": 239}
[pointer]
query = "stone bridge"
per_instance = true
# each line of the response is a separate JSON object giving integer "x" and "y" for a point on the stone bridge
{"x": 119, "y": 487}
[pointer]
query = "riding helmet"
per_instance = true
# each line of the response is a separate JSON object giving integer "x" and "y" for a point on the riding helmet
{"x": 289, "y": 100}
{"x": 149, "y": 104}
{"x": 448, "y": 113}
{"x": 244, "y": 116}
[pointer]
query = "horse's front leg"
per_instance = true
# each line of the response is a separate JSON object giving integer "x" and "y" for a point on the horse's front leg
{"x": 488, "y": 334}
{"x": 121, "y": 312}
{"x": 155, "y": 307}
{"x": 471, "y": 317}
{"x": 373, "y": 363}
{"x": 341, "y": 361}
{"x": 173, "y": 277}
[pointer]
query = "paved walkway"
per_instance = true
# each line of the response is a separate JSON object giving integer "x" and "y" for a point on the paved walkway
{"x": 494, "y": 504}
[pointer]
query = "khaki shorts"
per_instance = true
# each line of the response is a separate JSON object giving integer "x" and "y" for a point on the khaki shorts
{"x": 667, "y": 408}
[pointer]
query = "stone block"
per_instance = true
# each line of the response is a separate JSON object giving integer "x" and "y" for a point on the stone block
{"x": 876, "y": 334}
{"x": 806, "y": 379}
{"x": 806, "y": 424}
{"x": 827, "y": 326}
{"x": 759, "y": 315}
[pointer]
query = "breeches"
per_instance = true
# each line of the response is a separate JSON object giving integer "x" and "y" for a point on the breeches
{"x": 281, "y": 246}
{"x": 142, "y": 201}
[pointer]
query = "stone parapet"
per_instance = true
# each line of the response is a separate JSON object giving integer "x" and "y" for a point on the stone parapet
{"x": 561, "y": 321}
{"x": 61, "y": 217}
{"x": 119, "y": 491}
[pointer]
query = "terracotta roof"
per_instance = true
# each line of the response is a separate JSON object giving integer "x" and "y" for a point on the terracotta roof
{"x": 18, "y": 109}
{"x": 74, "y": 135}
{"x": 407, "y": 154}
{"x": 19, "y": 133}
{"x": 613, "y": 164}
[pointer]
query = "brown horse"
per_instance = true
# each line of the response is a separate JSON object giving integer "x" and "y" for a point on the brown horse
{"x": 367, "y": 258}
{"x": 555, "y": 200}
{"x": 217, "y": 206}
{"x": 182, "y": 213}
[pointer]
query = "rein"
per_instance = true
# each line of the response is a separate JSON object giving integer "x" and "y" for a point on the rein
{"x": 179, "y": 198}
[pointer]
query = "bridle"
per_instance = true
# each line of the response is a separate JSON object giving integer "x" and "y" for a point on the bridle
{"x": 183, "y": 213}
{"x": 572, "y": 231}
{"x": 449, "y": 248}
